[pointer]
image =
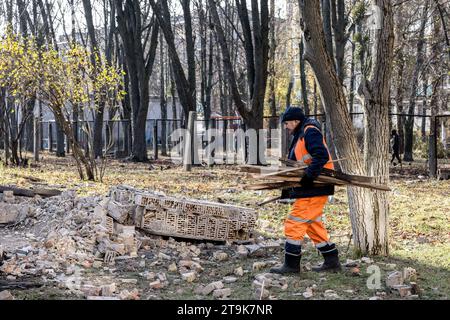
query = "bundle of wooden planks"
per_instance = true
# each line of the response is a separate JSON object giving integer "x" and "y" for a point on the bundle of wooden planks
{"x": 289, "y": 176}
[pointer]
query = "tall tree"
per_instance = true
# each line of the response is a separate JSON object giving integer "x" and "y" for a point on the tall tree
{"x": 376, "y": 95}
{"x": 256, "y": 44}
{"x": 409, "y": 123}
{"x": 96, "y": 59}
{"x": 190, "y": 47}
{"x": 139, "y": 61}
{"x": 162, "y": 96}
{"x": 365, "y": 225}
{"x": 303, "y": 79}
{"x": 272, "y": 70}
{"x": 183, "y": 84}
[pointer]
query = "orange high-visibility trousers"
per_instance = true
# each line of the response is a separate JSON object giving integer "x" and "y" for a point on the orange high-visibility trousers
{"x": 305, "y": 217}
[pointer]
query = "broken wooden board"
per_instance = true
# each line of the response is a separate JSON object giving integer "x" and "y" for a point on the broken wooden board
{"x": 287, "y": 176}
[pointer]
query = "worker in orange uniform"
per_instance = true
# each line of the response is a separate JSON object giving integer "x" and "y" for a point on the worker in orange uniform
{"x": 308, "y": 147}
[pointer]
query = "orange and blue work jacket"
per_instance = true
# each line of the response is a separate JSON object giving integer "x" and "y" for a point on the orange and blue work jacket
{"x": 309, "y": 147}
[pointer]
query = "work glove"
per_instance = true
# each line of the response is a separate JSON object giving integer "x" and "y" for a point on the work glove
{"x": 306, "y": 181}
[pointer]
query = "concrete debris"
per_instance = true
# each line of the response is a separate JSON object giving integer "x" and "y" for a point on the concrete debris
{"x": 259, "y": 265}
{"x": 191, "y": 265}
{"x": 366, "y": 260}
{"x": 212, "y": 286}
{"x": 308, "y": 293}
{"x": 351, "y": 263}
{"x": 108, "y": 290}
{"x": 64, "y": 235}
{"x": 239, "y": 271}
{"x": 8, "y": 196}
{"x": 255, "y": 250}
{"x": 349, "y": 291}
{"x": 118, "y": 211}
{"x": 242, "y": 251}
{"x": 331, "y": 294}
{"x": 199, "y": 289}
{"x": 101, "y": 298}
{"x": 157, "y": 284}
{"x": 164, "y": 256}
{"x": 409, "y": 274}
{"x": 394, "y": 279}
{"x": 172, "y": 267}
{"x": 6, "y": 295}
{"x": 261, "y": 293}
{"x": 222, "y": 293}
{"x": 90, "y": 290}
{"x": 403, "y": 290}
{"x": 129, "y": 295}
{"x": 220, "y": 256}
{"x": 229, "y": 279}
{"x": 189, "y": 276}
{"x": 14, "y": 213}
{"x": 129, "y": 281}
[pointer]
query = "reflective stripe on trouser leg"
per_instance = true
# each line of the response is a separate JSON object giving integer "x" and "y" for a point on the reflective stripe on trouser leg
{"x": 318, "y": 234}
{"x": 305, "y": 212}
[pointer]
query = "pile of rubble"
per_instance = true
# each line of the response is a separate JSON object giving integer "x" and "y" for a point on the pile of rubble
{"x": 66, "y": 233}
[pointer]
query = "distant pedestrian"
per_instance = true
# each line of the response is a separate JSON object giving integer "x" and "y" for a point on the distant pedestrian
{"x": 395, "y": 147}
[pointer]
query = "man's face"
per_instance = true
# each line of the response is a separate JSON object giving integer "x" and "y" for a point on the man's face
{"x": 291, "y": 124}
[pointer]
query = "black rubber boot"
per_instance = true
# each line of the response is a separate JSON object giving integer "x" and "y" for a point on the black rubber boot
{"x": 292, "y": 259}
{"x": 291, "y": 265}
{"x": 331, "y": 255}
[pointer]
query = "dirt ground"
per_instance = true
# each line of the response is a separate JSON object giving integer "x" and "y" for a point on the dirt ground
{"x": 419, "y": 239}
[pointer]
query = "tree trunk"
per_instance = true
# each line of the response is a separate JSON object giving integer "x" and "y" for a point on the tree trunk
{"x": 399, "y": 99}
{"x": 205, "y": 66}
{"x": 182, "y": 84}
{"x": 190, "y": 48}
{"x": 272, "y": 71}
{"x": 303, "y": 79}
{"x": 352, "y": 80}
{"x": 209, "y": 83}
{"x": 140, "y": 65}
{"x": 338, "y": 24}
{"x": 326, "y": 18}
{"x": 436, "y": 84}
{"x": 409, "y": 123}
{"x": 96, "y": 62}
{"x": 172, "y": 94}
{"x": 162, "y": 98}
{"x": 334, "y": 102}
{"x": 376, "y": 90}
{"x": 424, "y": 111}
{"x": 252, "y": 111}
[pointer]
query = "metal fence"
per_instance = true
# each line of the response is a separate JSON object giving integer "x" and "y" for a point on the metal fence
{"x": 159, "y": 137}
